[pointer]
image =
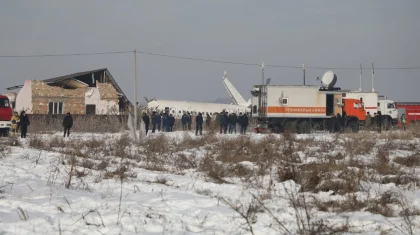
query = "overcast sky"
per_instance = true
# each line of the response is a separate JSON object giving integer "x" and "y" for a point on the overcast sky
{"x": 316, "y": 33}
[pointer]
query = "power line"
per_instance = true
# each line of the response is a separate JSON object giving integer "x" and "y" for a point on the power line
{"x": 65, "y": 55}
{"x": 202, "y": 60}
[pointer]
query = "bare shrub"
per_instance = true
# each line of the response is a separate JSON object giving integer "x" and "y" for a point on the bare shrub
{"x": 410, "y": 161}
{"x": 156, "y": 145}
{"x": 383, "y": 165}
{"x": 81, "y": 173}
{"x": 57, "y": 142}
{"x": 161, "y": 180}
{"x": 35, "y": 141}
{"x": 88, "y": 164}
{"x": 117, "y": 173}
{"x": 102, "y": 165}
{"x": 183, "y": 161}
{"x": 213, "y": 169}
{"x": 355, "y": 145}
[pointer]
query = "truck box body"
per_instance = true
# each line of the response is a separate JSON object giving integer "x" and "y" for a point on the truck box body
{"x": 411, "y": 111}
{"x": 298, "y": 102}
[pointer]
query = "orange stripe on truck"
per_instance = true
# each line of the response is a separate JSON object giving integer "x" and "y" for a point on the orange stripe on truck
{"x": 282, "y": 109}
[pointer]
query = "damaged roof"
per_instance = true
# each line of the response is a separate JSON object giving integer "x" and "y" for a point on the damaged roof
{"x": 71, "y": 81}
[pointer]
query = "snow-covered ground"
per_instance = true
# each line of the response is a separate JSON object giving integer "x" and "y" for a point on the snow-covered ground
{"x": 163, "y": 198}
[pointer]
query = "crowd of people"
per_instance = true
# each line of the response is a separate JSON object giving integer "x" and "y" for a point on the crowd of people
{"x": 338, "y": 122}
{"x": 19, "y": 123}
{"x": 165, "y": 122}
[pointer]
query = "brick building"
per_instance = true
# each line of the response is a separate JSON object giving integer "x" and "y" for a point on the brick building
{"x": 91, "y": 92}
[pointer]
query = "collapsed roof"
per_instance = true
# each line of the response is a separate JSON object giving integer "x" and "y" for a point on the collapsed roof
{"x": 82, "y": 79}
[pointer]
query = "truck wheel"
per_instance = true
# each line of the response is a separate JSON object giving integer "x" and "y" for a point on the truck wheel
{"x": 353, "y": 126}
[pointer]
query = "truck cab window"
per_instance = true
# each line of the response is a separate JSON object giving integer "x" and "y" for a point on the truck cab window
{"x": 391, "y": 106}
{"x": 4, "y": 103}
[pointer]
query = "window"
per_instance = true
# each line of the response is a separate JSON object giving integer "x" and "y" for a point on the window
{"x": 4, "y": 103}
{"x": 55, "y": 108}
{"x": 391, "y": 106}
{"x": 179, "y": 112}
{"x": 285, "y": 101}
{"x": 356, "y": 105}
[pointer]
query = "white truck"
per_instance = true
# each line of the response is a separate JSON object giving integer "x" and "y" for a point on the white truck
{"x": 374, "y": 103}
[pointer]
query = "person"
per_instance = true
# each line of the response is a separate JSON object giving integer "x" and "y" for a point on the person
{"x": 233, "y": 119}
{"x": 224, "y": 121}
{"x": 337, "y": 122}
{"x": 331, "y": 123}
{"x": 189, "y": 120}
{"x": 242, "y": 123}
{"x": 159, "y": 121}
{"x": 403, "y": 121}
{"x": 165, "y": 122}
{"x": 344, "y": 119}
{"x": 184, "y": 121}
{"x": 24, "y": 123}
{"x": 171, "y": 122}
{"x": 368, "y": 120}
{"x": 245, "y": 123}
{"x": 67, "y": 124}
{"x": 199, "y": 124}
{"x": 208, "y": 120}
{"x": 15, "y": 123}
{"x": 155, "y": 121}
{"x": 379, "y": 122}
{"x": 146, "y": 121}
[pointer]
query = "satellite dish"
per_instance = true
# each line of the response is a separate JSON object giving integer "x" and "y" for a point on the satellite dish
{"x": 328, "y": 80}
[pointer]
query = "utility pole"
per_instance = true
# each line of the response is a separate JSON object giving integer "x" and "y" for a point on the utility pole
{"x": 135, "y": 95}
{"x": 304, "y": 74}
{"x": 360, "y": 86}
{"x": 373, "y": 74}
{"x": 262, "y": 74}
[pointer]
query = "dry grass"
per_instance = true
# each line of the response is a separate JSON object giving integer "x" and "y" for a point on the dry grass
{"x": 409, "y": 161}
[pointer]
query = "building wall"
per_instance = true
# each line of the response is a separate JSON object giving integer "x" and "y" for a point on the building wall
{"x": 73, "y": 99}
{"x": 35, "y": 96}
{"x": 24, "y": 98}
{"x": 103, "y": 106}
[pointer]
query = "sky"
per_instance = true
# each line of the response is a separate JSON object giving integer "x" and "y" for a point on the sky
{"x": 322, "y": 33}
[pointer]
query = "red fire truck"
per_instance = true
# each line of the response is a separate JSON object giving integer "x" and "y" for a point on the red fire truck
{"x": 5, "y": 115}
{"x": 411, "y": 111}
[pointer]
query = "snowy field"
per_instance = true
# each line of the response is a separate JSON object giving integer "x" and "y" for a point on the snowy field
{"x": 177, "y": 183}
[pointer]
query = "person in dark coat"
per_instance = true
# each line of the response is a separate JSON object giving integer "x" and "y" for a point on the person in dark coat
{"x": 24, "y": 123}
{"x": 146, "y": 121}
{"x": 159, "y": 121}
{"x": 243, "y": 122}
{"x": 331, "y": 123}
{"x": 379, "y": 121}
{"x": 199, "y": 124}
{"x": 171, "y": 122}
{"x": 208, "y": 120}
{"x": 189, "y": 120}
{"x": 337, "y": 123}
{"x": 184, "y": 121}
{"x": 67, "y": 124}
{"x": 165, "y": 122}
{"x": 224, "y": 121}
{"x": 233, "y": 119}
{"x": 155, "y": 121}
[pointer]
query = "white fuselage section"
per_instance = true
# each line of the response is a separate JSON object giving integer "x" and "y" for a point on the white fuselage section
{"x": 177, "y": 108}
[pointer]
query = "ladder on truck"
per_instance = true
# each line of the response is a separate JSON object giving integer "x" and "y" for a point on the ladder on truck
{"x": 262, "y": 113}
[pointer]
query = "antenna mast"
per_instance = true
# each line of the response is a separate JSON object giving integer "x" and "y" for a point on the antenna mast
{"x": 304, "y": 75}
{"x": 373, "y": 74}
{"x": 262, "y": 74}
{"x": 360, "y": 87}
